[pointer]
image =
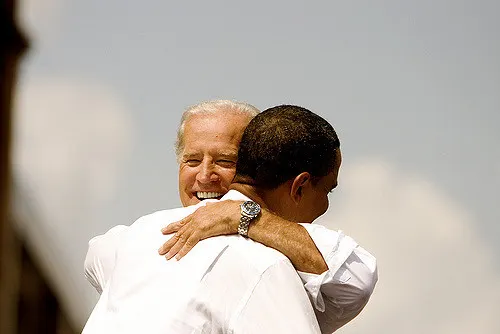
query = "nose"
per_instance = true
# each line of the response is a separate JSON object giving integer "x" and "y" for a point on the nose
{"x": 207, "y": 173}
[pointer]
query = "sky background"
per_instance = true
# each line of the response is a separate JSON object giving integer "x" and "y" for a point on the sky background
{"x": 412, "y": 88}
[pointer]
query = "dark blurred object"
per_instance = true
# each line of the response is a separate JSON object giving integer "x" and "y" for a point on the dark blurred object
{"x": 27, "y": 304}
{"x": 12, "y": 46}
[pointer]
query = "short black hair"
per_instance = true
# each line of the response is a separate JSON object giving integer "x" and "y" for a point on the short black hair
{"x": 283, "y": 141}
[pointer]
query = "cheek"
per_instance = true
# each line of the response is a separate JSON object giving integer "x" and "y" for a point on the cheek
{"x": 226, "y": 176}
{"x": 187, "y": 177}
{"x": 327, "y": 204}
{"x": 323, "y": 204}
{"x": 186, "y": 182}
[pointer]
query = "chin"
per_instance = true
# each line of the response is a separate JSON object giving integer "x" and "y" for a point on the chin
{"x": 190, "y": 201}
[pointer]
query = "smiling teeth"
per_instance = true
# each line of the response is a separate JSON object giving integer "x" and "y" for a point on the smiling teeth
{"x": 207, "y": 194}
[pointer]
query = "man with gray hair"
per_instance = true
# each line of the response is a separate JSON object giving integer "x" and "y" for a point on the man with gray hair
{"x": 338, "y": 275}
{"x": 207, "y": 162}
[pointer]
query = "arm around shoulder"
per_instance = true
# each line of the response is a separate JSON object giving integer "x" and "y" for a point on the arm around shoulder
{"x": 290, "y": 239}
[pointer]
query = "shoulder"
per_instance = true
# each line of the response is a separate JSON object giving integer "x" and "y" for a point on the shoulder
{"x": 257, "y": 256}
{"x": 164, "y": 216}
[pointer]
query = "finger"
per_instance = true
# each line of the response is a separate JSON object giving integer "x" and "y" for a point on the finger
{"x": 167, "y": 245}
{"x": 175, "y": 226}
{"x": 180, "y": 239}
{"x": 190, "y": 243}
{"x": 173, "y": 240}
{"x": 175, "y": 249}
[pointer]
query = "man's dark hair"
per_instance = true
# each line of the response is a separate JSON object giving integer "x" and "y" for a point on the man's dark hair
{"x": 282, "y": 142}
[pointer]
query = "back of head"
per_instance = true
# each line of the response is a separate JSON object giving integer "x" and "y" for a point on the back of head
{"x": 282, "y": 142}
{"x": 212, "y": 107}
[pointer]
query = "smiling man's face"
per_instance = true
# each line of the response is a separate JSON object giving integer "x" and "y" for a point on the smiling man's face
{"x": 208, "y": 160}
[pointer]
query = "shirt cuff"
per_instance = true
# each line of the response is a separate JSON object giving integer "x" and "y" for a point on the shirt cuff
{"x": 335, "y": 247}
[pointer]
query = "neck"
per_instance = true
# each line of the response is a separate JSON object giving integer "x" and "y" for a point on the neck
{"x": 274, "y": 200}
{"x": 251, "y": 192}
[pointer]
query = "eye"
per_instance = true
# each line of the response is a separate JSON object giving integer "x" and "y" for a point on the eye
{"x": 226, "y": 163}
{"x": 192, "y": 162}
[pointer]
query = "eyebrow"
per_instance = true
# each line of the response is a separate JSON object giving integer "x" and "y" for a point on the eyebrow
{"x": 228, "y": 155}
{"x": 190, "y": 155}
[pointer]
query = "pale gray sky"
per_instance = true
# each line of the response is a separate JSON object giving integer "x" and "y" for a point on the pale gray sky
{"x": 411, "y": 87}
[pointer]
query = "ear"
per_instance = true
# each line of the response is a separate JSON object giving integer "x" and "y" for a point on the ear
{"x": 298, "y": 184}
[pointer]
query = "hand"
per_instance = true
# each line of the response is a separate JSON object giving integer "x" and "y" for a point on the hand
{"x": 213, "y": 219}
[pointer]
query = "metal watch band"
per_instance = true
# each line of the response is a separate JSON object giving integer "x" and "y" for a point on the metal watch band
{"x": 249, "y": 211}
{"x": 243, "y": 226}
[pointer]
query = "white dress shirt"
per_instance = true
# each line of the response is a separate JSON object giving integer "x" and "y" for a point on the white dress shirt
{"x": 226, "y": 284}
{"x": 338, "y": 294}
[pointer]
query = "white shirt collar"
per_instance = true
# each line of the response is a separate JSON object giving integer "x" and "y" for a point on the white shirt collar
{"x": 235, "y": 195}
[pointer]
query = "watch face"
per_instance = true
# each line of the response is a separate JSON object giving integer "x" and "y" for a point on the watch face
{"x": 251, "y": 208}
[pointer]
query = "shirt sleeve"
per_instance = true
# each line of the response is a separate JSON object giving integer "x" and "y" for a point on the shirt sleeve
{"x": 340, "y": 293}
{"x": 276, "y": 304}
{"x": 101, "y": 256}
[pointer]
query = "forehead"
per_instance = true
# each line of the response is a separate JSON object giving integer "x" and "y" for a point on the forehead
{"x": 217, "y": 130}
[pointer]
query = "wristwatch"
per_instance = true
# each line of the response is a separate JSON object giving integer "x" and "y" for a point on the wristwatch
{"x": 249, "y": 211}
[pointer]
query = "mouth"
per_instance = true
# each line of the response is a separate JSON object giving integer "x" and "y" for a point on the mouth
{"x": 201, "y": 195}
